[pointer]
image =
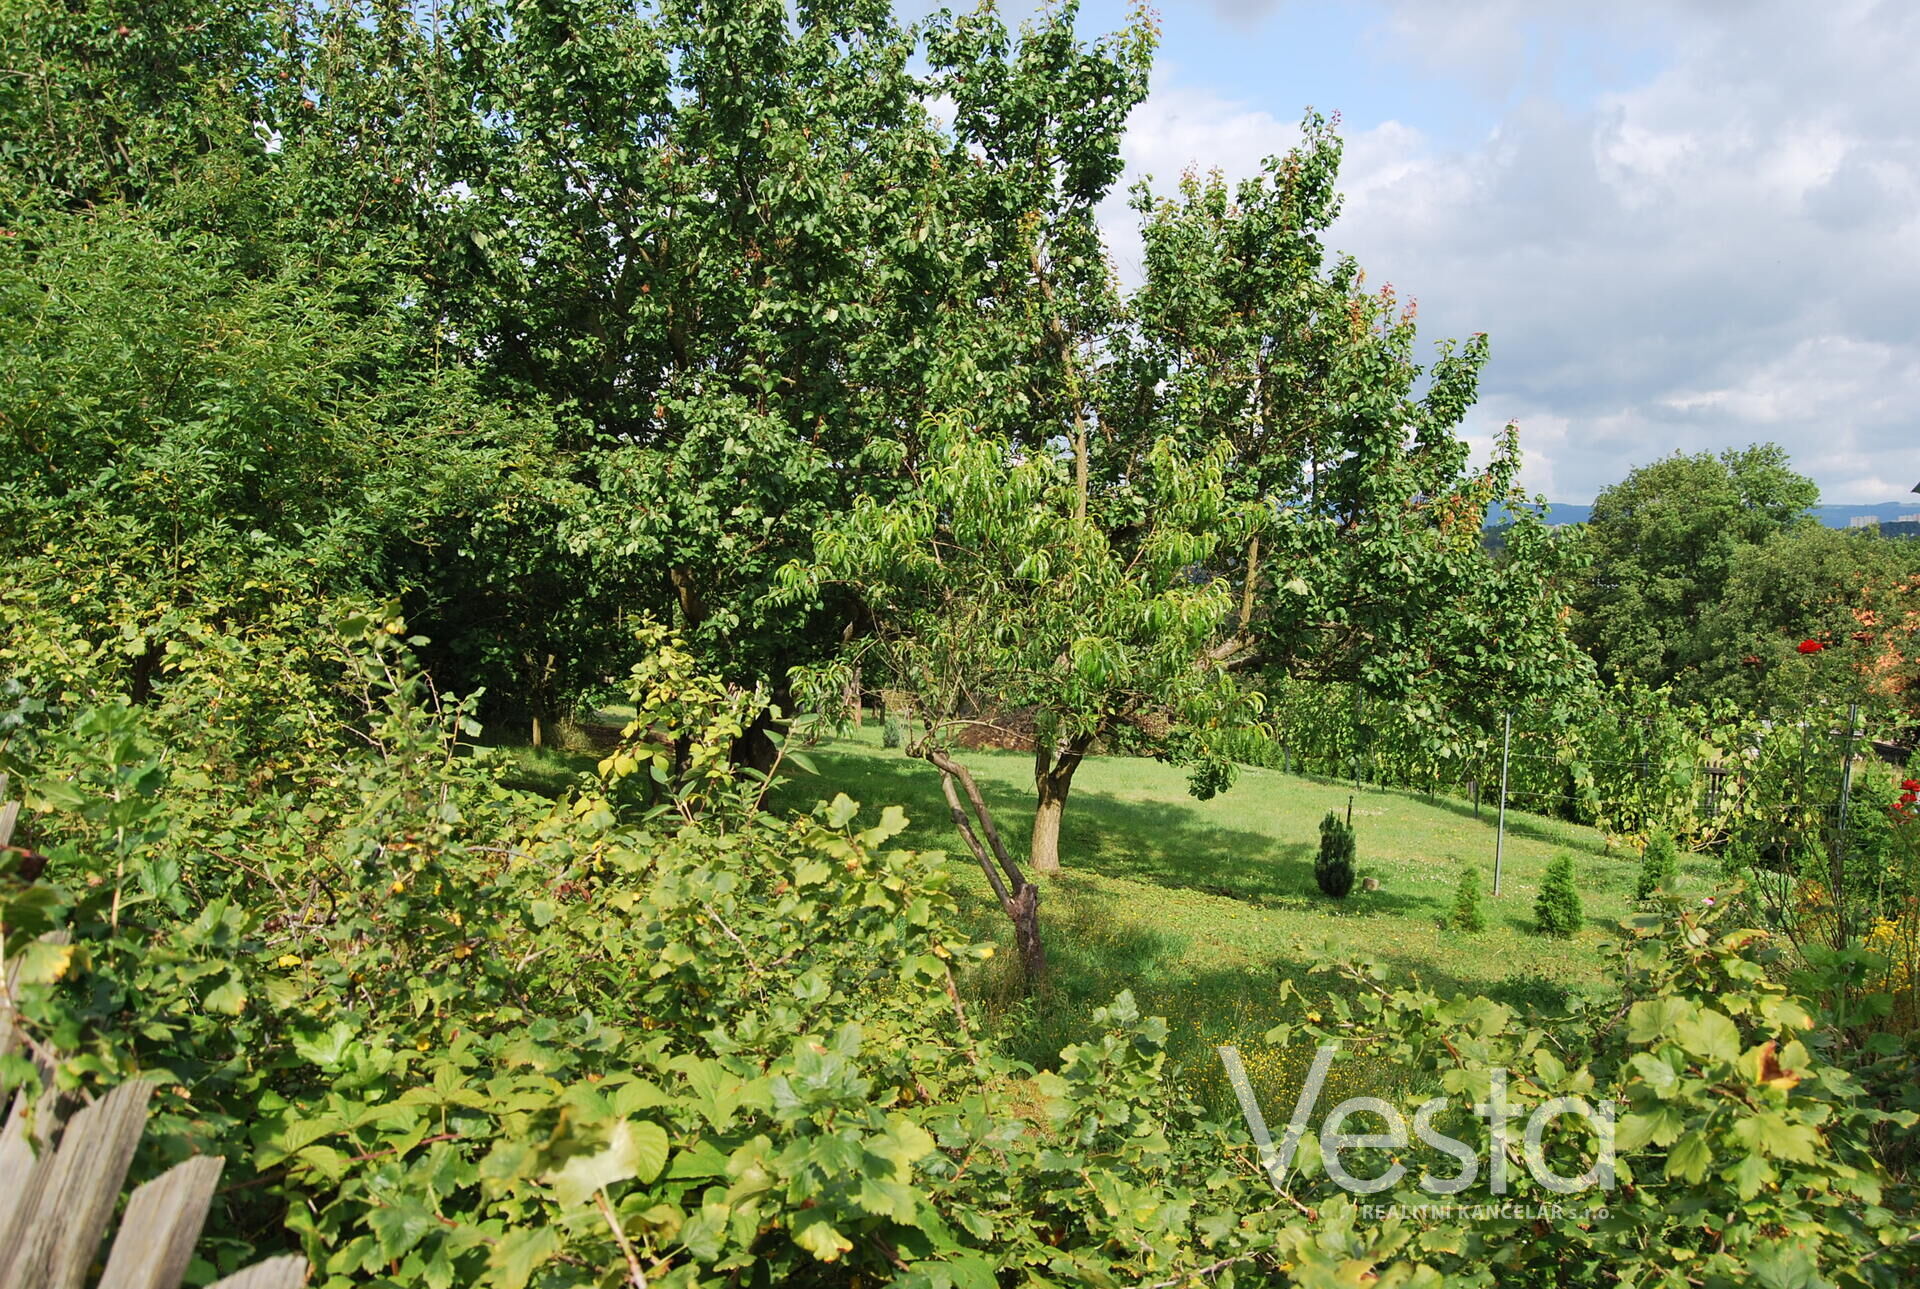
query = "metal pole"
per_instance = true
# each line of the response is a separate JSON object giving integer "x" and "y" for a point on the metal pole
{"x": 1357, "y": 722}
{"x": 1500, "y": 832}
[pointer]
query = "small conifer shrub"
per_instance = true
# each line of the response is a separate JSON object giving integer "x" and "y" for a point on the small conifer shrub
{"x": 1557, "y": 907}
{"x": 1334, "y": 868}
{"x": 894, "y": 732}
{"x": 1468, "y": 914}
{"x": 1659, "y": 865}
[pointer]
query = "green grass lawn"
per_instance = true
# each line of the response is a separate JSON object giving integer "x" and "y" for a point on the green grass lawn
{"x": 1203, "y": 908}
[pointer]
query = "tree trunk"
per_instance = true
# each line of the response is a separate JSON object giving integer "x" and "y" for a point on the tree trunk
{"x": 1052, "y": 780}
{"x": 753, "y": 748}
{"x": 1045, "y": 850}
{"x": 1026, "y": 935}
{"x": 540, "y": 702}
{"x": 1018, "y": 897}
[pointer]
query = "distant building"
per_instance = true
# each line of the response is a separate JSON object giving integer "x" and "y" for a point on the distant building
{"x": 1864, "y": 521}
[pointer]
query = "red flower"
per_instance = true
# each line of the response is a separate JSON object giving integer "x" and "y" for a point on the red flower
{"x": 1910, "y": 785}
{"x": 1908, "y": 798}
{"x": 1810, "y": 646}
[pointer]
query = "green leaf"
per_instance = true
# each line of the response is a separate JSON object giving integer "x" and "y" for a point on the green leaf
{"x": 1690, "y": 1158}
{"x": 820, "y": 1239}
{"x": 840, "y": 812}
{"x": 1749, "y": 1175}
{"x": 1656, "y": 1073}
{"x": 400, "y": 1225}
{"x": 1785, "y": 1266}
{"x": 904, "y": 1143}
{"x": 325, "y": 1050}
{"x": 893, "y": 822}
{"x": 1551, "y": 1068}
{"x": 40, "y": 962}
{"x": 519, "y": 1253}
{"x": 230, "y": 999}
{"x": 60, "y": 795}
{"x": 1709, "y": 1034}
{"x": 1659, "y": 1126}
{"x": 634, "y": 1150}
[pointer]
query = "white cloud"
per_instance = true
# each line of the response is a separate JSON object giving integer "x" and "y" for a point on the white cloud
{"x": 1722, "y": 252}
{"x": 1181, "y": 128}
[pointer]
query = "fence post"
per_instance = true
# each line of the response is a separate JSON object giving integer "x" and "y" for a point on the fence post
{"x": 1500, "y": 830}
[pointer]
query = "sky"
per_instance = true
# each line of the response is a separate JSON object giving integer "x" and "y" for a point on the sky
{"x": 1686, "y": 225}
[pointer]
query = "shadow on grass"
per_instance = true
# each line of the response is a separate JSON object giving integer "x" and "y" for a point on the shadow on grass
{"x": 1097, "y": 947}
{"x": 1164, "y": 844}
{"x": 547, "y": 771}
{"x": 1092, "y": 957}
{"x": 1549, "y": 832}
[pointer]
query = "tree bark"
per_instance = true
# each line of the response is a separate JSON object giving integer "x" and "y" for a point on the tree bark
{"x": 540, "y": 702}
{"x": 1246, "y": 592}
{"x": 753, "y": 748}
{"x": 1045, "y": 850}
{"x": 1026, "y": 935}
{"x": 1019, "y": 898}
{"x": 1052, "y": 780}
{"x": 1069, "y": 371}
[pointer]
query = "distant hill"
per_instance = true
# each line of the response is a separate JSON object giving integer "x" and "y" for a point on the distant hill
{"x": 1887, "y": 512}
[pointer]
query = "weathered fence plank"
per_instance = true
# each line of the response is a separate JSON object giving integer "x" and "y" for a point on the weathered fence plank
{"x": 54, "y": 1242}
{"x": 163, "y": 1219}
{"x": 18, "y": 1191}
{"x": 289, "y": 1272}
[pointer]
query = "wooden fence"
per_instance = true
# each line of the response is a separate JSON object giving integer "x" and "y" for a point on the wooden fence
{"x": 62, "y": 1166}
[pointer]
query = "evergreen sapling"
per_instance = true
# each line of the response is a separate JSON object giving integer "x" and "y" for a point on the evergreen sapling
{"x": 1334, "y": 867}
{"x": 1557, "y": 907}
{"x": 1468, "y": 914}
{"x": 1659, "y": 864}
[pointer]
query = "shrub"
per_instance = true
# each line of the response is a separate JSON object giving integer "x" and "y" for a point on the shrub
{"x": 450, "y": 1072}
{"x": 893, "y": 733}
{"x": 1659, "y": 865}
{"x": 1557, "y": 907}
{"x": 1334, "y": 868}
{"x": 1468, "y": 914}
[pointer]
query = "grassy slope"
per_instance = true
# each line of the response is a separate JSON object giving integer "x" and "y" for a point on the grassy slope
{"x": 1202, "y": 908}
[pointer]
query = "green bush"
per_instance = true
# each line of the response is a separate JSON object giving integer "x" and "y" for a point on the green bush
{"x": 1557, "y": 908}
{"x": 407, "y": 1014}
{"x": 893, "y": 732}
{"x": 1659, "y": 865}
{"x": 1333, "y": 870}
{"x": 1468, "y": 914}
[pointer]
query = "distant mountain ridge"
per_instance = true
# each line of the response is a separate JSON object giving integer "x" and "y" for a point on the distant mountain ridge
{"x": 1570, "y": 512}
